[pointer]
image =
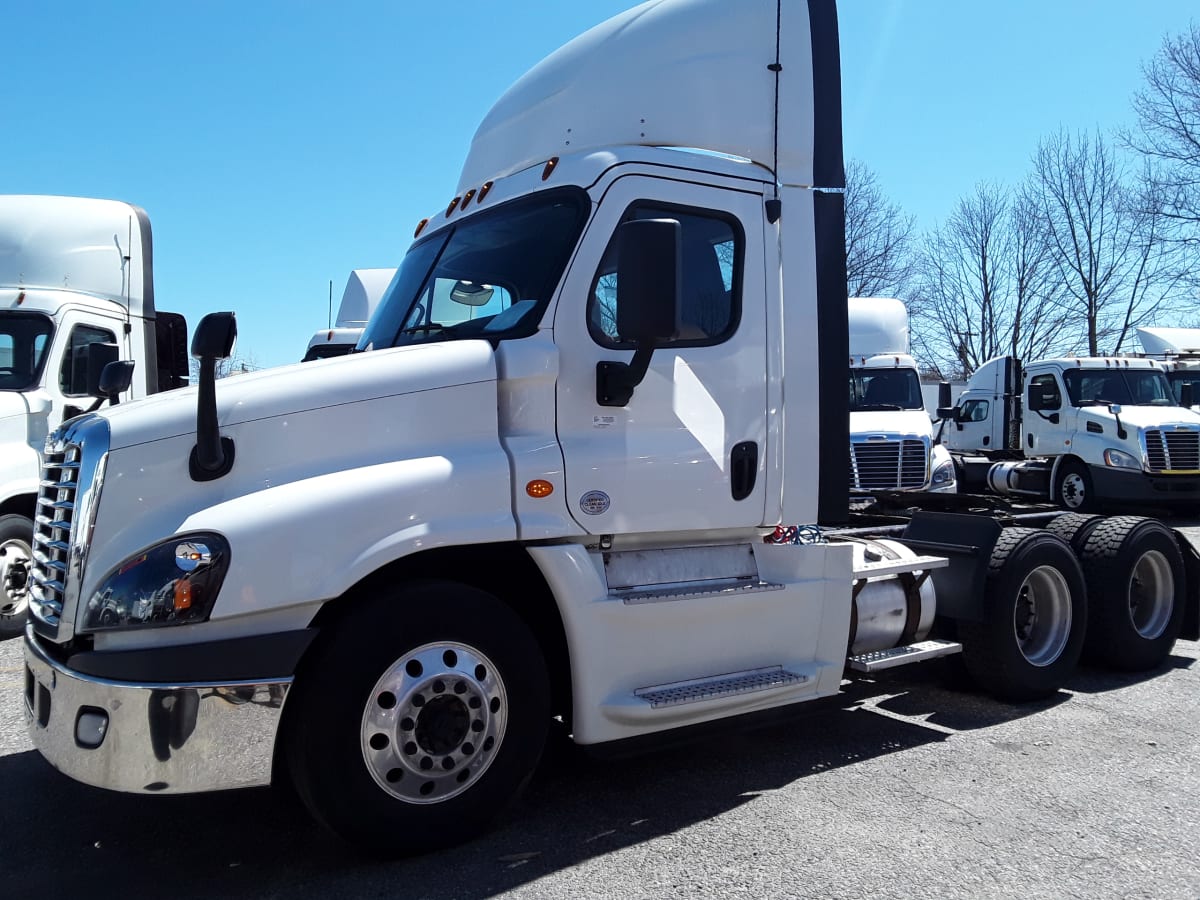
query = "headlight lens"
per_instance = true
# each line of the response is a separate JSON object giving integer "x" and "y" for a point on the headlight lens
{"x": 943, "y": 474}
{"x": 1120, "y": 459}
{"x": 172, "y": 583}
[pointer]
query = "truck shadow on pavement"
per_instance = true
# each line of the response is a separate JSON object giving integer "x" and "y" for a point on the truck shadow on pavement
{"x": 259, "y": 843}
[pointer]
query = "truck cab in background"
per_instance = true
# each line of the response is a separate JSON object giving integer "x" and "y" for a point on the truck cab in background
{"x": 364, "y": 289}
{"x": 1083, "y": 432}
{"x": 892, "y": 443}
{"x": 1178, "y": 349}
{"x": 74, "y": 273}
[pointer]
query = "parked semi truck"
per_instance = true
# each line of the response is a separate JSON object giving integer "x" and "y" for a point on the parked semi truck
{"x": 892, "y": 443}
{"x": 1178, "y": 349}
{"x": 618, "y": 499}
{"x": 364, "y": 289}
{"x": 74, "y": 273}
{"x": 1084, "y": 432}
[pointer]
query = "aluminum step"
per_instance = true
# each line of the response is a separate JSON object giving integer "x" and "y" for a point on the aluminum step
{"x": 896, "y": 566}
{"x": 661, "y": 593}
{"x": 898, "y": 656}
{"x": 698, "y": 689}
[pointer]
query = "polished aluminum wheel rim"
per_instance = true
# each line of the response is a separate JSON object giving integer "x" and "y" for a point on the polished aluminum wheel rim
{"x": 434, "y": 722}
{"x": 15, "y": 560}
{"x": 1151, "y": 594}
{"x": 1042, "y": 615}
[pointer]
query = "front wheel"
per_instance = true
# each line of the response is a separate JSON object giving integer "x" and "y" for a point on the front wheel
{"x": 16, "y": 557}
{"x": 1073, "y": 487}
{"x": 1136, "y": 592}
{"x": 1034, "y": 617}
{"x": 420, "y": 717}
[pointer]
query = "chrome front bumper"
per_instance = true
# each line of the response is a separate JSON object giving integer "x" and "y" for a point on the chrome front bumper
{"x": 153, "y": 738}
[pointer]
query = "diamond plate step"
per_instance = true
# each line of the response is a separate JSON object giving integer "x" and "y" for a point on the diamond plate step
{"x": 899, "y": 656}
{"x": 661, "y": 593}
{"x": 681, "y": 692}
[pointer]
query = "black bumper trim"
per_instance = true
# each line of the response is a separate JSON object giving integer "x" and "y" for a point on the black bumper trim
{"x": 259, "y": 658}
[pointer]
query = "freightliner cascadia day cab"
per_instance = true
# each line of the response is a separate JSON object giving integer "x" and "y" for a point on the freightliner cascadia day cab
{"x": 76, "y": 291}
{"x": 1084, "y": 432}
{"x": 618, "y": 499}
{"x": 891, "y": 436}
{"x": 364, "y": 289}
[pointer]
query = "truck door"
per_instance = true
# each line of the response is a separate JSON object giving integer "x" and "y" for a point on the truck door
{"x": 1049, "y": 420}
{"x": 689, "y": 450}
{"x": 973, "y": 427}
{"x": 65, "y": 375}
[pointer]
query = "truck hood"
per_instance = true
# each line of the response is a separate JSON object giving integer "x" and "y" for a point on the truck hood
{"x": 305, "y": 387}
{"x": 1143, "y": 416}
{"x": 893, "y": 421}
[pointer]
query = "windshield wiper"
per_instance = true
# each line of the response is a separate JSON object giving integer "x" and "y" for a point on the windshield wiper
{"x": 874, "y": 407}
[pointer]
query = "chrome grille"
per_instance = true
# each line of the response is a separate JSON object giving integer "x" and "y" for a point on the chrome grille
{"x": 52, "y": 532}
{"x": 1174, "y": 450}
{"x": 887, "y": 464}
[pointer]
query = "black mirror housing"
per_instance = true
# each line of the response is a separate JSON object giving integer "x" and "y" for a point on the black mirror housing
{"x": 1187, "y": 392}
{"x": 944, "y": 399}
{"x": 650, "y": 276}
{"x": 949, "y": 413}
{"x": 99, "y": 355}
{"x": 116, "y": 378}
{"x": 215, "y": 336}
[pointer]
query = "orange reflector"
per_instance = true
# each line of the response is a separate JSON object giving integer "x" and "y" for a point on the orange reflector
{"x": 551, "y": 164}
{"x": 183, "y": 594}
{"x": 539, "y": 488}
{"x": 21, "y": 296}
{"x": 420, "y": 227}
{"x": 483, "y": 191}
{"x": 453, "y": 206}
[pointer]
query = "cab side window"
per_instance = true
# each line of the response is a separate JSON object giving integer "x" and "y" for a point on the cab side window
{"x": 974, "y": 411}
{"x": 72, "y": 378}
{"x": 713, "y": 248}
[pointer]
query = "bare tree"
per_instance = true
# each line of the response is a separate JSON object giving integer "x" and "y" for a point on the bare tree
{"x": 878, "y": 238}
{"x": 985, "y": 287}
{"x": 1168, "y": 109}
{"x": 239, "y": 364}
{"x": 1105, "y": 238}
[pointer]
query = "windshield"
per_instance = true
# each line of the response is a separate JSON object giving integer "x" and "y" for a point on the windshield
{"x": 24, "y": 339}
{"x": 877, "y": 389}
{"x": 490, "y": 276}
{"x": 1127, "y": 387}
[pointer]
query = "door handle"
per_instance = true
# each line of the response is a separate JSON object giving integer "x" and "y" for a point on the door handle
{"x": 743, "y": 469}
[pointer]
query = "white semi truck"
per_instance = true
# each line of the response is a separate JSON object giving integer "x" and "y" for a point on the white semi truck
{"x": 618, "y": 498}
{"x": 1178, "y": 349}
{"x": 1083, "y": 432}
{"x": 892, "y": 443}
{"x": 364, "y": 289}
{"x": 75, "y": 288}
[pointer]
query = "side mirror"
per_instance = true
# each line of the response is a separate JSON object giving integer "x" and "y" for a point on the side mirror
{"x": 944, "y": 399}
{"x": 212, "y": 457}
{"x": 1037, "y": 398}
{"x": 649, "y": 279}
{"x": 98, "y": 356}
{"x": 116, "y": 379}
{"x": 949, "y": 413}
{"x": 1186, "y": 395}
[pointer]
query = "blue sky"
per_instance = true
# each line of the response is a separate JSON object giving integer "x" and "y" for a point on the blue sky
{"x": 278, "y": 145}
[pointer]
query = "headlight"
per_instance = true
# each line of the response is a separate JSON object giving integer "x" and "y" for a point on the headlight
{"x": 943, "y": 474}
{"x": 172, "y": 583}
{"x": 1120, "y": 459}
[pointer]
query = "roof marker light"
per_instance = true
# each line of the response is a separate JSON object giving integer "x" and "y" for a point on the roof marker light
{"x": 483, "y": 191}
{"x": 420, "y": 227}
{"x": 467, "y": 197}
{"x": 452, "y": 207}
{"x": 551, "y": 165}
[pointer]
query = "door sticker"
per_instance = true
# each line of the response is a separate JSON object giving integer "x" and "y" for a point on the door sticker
{"x": 594, "y": 503}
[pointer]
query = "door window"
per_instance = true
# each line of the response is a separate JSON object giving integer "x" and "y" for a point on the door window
{"x": 72, "y": 378}
{"x": 974, "y": 411}
{"x": 710, "y": 304}
{"x": 1044, "y": 393}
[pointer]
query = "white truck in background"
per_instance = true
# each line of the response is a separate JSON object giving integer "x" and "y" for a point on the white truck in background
{"x": 892, "y": 443}
{"x": 1178, "y": 349}
{"x": 612, "y": 492}
{"x": 74, "y": 272}
{"x": 1082, "y": 432}
{"x": 364, "y": 289}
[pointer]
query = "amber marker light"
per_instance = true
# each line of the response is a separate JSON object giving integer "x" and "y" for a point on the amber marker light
{"x": 183, "y": 594}
{"x": 20, "y": 298}
{"x": 420, "y": 227}
{"x": 551, "y": 165}
{"x": 539, "y": 488}
{"x": 467, "y": 197}
{"x": 453, "y": 206}
{"x": 483, "y": 191}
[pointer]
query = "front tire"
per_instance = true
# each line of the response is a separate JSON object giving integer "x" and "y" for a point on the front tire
{"x": 1073, "y": 487}
{"x": 16, "y": 558}
{"x": 419, "y": 718}
{"x": 1136, "y": 592}
{"x": 1034, "y": 618}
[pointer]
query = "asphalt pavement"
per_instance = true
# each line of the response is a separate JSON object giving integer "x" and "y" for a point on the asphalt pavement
{"x": 908, "y": 788}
